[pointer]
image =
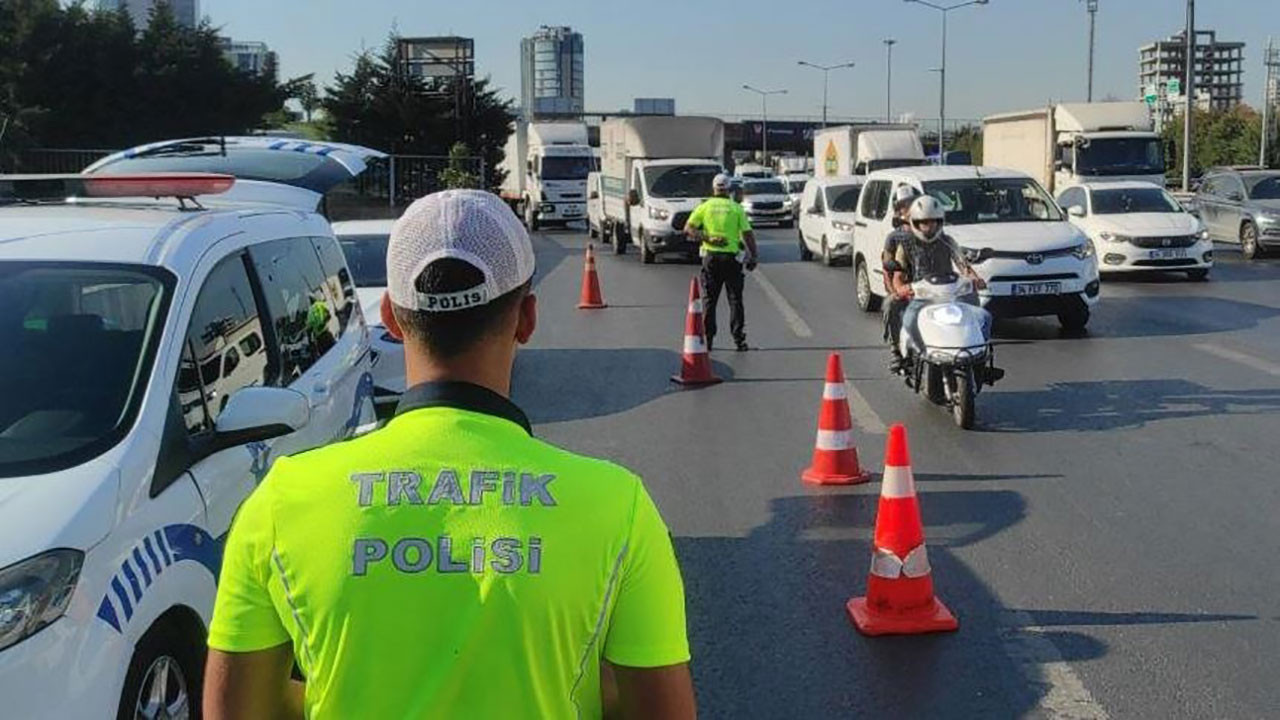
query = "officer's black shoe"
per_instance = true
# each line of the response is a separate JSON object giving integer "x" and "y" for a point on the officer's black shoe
{"x": 742, "y": 345}
{"x": 710, "y": 341}
{"x": 896, "y": 364}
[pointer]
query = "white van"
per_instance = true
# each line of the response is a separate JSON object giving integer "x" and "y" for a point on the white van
{"x": 595, "y": 204}
{"x": 130, "y": 433}
{"x": 1017, "y": 239}
{"x": 827, "y": 215}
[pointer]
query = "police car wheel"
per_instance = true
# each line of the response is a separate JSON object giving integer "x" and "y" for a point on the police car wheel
{"x": 165, "y": 677}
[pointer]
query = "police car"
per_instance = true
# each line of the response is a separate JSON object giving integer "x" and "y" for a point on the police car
{"x": 163, "y": 337}
{"x": 364, "y": 243}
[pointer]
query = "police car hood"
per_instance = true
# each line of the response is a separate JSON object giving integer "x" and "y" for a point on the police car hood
{"x": 1147, "y": 224}
{"x": 72, "y": 508}
{"x": 1037, "y": 236}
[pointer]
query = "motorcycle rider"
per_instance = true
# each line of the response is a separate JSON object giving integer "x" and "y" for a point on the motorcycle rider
{"x": 902, "y": 199}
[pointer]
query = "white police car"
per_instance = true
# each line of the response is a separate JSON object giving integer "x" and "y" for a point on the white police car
{"x": 156, "y": 354}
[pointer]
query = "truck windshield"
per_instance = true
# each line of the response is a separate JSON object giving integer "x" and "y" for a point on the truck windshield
{"x": 843, "y": 198}
{"x": 76, "y": 346}
{"x": 681, "y": 181}
{"x": 1120, "y": 156}
{"x": 1133, "y": 200}
{"x": 566, "y": 167}
{"x": 1265, "y": 188}
{"x": 993, "y": 200}
{"x": 763, "y": 187}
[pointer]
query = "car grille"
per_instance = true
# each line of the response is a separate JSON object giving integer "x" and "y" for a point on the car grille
{"x": 679, "y": 219}
{"x": 1173, "y": 262}
{"x": 1035, "y": 278}
{"x": 570, "y": 196}
{"x": 1026, "y": 256}
{"x": 1165, "y": 242}
{"x": 766, "y": 206}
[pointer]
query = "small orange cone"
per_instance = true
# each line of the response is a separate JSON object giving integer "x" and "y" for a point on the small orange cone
{"x": 590, "y": 298}
{"x": 835, "y": 458}
{"x": 695, "y": 363}
{"x": 899, "y": 599}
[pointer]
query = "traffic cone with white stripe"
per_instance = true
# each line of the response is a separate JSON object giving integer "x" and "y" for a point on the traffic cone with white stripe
{"x": 590, "y": 297}
{"x": 899, "y": 599}
{"x": 695, "y": 363}
{"x": 835, "y": 458}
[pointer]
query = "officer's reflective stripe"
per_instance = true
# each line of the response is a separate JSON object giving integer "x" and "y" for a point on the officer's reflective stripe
{"x": 695, "y": 307}
{"x": 835, "y": 439}
{"x": 898, "y": 483}
{"x": 605, "y": 604}
{"x": 885, "y": 564}
{"x": 694, "y": 345}
{"x": 293, "y": 607}
{"x": 146, "y": 574}
{"x": 835, "y": 391}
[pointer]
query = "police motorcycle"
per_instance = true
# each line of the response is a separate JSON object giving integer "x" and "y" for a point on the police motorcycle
{"x": 947, "y": 350}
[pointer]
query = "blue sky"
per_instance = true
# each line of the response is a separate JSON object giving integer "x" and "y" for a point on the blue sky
{"x": 1008, "y": 55}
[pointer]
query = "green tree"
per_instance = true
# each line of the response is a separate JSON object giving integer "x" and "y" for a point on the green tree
{"x": 1219, "y": 137}
{"x": 307, "y": 95}
{"x": 458, "y": 174}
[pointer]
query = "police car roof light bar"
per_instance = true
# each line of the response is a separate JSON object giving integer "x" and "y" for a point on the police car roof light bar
{"x": 183, "y": 186}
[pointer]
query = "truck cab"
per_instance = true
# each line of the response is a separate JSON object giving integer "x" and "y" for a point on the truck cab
{"x": 660, "y": 197}
{"x": 546, "y": 166}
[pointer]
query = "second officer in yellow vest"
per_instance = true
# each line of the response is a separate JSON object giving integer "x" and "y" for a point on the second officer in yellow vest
{"x": 722, "y": 226}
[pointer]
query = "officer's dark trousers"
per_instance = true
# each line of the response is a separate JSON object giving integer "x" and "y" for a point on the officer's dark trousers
{"x": 722, "y": 270}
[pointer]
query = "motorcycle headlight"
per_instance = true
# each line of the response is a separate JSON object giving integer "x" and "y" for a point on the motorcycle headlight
{"x": 842, "y": 226}
{"x": 656, "y": 213}
{"x": 35, "y": 592}
{"x": 1113, "y": 237}
{"x": 975, "y": 255}
{"x": 1082, "y": 252}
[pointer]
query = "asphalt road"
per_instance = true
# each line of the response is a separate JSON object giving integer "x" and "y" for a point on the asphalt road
{"x": 1108, "y": 536}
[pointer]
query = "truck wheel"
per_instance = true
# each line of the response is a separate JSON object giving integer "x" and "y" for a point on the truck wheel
{"x": 1074, "y": 318}
{"x": 647, "y": 256}
{"x": 530, "y": 218}
{"x": 867, "y": 300}
{"x": 805, "y": 253}
{"x": 165, "y": 676}
{"x": 1249, "y": 246}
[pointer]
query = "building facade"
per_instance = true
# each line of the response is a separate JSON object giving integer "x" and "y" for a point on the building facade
{"x": 187, "y": 12}
{"x": 1219, "y": 68}
{"x": 551, "y": 73}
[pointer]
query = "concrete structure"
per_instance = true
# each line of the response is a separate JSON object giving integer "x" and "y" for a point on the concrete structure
{"x": 1219, "y": 68}
{"x": 551, "y": 73}
{"x": 249, "y": 56}
{"x": 187, "y": 12}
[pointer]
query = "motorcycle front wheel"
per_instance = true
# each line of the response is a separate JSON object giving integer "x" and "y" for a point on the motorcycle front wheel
{"x": 964, "y": 400}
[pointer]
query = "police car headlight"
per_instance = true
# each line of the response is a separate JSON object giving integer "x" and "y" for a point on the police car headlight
{"x": 35, "y": 592}
{"x": 656, "y": 213}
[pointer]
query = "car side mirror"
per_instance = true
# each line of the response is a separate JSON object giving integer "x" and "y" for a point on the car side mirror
{"x": 813, "y": 211}
{"x": 1058, "y": 165}
{"x": 633, "y": 197}
{"x": 1076, "y": 211}
{"x": 257, "y": 413}
{"x": 1235, "y": 196}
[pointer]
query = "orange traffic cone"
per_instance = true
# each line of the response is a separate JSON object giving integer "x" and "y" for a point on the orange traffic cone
{"x": 590, "y": 298}
{"x": 695, "y": 363}
{"x": 899, "y": 599}
{"x": 835, "y": 458}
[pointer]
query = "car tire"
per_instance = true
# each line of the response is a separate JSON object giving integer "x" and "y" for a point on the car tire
{"x": 1074, "y": 318}
{"x": 647, "y": 256}
{"x": 805, "y": 253}
{"x": 1198, "y": 274}
{"x": 867, "y": 300}
{"x": 167, "y": 670}
{"x": 934, "y": 384}
{"x": 827, "y": 260}
{"x": 1250, "y": 248}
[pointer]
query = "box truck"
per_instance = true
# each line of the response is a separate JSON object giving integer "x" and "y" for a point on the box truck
{"x": 860, "y": 149}
{"x": 547, "y": 165}
{"x": 654, "y": 172}
{"x": 1076, "y": 143}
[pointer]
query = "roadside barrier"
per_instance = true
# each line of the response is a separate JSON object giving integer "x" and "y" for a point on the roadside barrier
{"x": 695, "y": 362}
{"x": 835, "y": 457}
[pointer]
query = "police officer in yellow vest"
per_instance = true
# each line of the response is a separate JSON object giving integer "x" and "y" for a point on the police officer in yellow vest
{"x": 450, "y": 564}
{"x": 722, "y": 226}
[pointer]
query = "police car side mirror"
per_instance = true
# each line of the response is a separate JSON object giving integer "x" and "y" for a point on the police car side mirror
{"x": 254, "y": 414}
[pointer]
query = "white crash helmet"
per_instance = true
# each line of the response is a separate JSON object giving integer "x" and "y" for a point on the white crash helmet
{"x": 926, "y": 207}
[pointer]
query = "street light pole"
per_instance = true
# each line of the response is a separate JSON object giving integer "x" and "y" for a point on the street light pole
{"x": 942, "y": 103}
{"x": 826, "y": 69}
{"x": 888, "y": 91}
{"x": 764, "y": 118}
{"x": 1092, "y": 7}
{"x": 1190, "y": 91}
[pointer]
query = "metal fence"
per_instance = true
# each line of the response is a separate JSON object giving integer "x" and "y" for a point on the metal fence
{"x": 50, "y": 160}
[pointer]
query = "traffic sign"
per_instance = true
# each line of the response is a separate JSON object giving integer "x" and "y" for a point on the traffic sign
{"x": 1173, "y": 87}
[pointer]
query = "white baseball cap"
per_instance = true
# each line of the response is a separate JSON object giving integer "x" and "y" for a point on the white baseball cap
{"x": 721, "y": 182}
{"x": 473, "y": 226}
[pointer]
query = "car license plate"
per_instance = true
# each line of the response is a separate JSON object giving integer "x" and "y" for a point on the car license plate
{"x": 572, "y": 209}
{"x": 1040, "y": 288}
{"x": 1167, "y": 254}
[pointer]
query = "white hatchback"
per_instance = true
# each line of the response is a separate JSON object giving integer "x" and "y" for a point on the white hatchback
{"x": 1139, "y": 227}
{"x": 827, "y": 214}
{"x": 160, "y": 345}
{"x": 364, "y": 242}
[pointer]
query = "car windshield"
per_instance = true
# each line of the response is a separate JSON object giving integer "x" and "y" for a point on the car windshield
{"x": 566, "y": 167}
{"x": 1265, "y": 188}
{"x": 1120, "y": 156}
{"x": 765, "y": 187}
{"x": 681, "y": 181}
{"x": 993, "y": 200}
{"x": 367, "y": 257}
{"x": 76, "y": 346}
{"x": 1133, "y": 200}
{"x": 843, "y": 198}
{"x": 795, "y": 187}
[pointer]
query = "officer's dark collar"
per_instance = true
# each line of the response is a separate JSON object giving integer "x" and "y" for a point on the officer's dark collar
{"x": 463, "y": 396}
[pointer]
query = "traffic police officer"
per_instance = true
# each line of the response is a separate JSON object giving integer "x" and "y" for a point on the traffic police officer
{"x": 450, "y": 564}
{"x": 721, "y": 225}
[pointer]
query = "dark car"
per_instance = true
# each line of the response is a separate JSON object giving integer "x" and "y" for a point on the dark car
{"x": 1242, "y": 206}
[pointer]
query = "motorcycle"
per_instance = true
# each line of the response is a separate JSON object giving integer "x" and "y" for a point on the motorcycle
{"x": 948, "y": 353}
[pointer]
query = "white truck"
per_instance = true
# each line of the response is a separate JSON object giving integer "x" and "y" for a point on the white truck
{"x": 861, "y": 149}
{"x": 1076, "y": 144}
{"x": 654, "y": 172}
{"x": 547, "y": 165}
{"x": 792, "y": 165}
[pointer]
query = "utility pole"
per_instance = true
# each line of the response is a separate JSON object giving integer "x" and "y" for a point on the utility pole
{"x": 1189, "y": 90}
{"x": 942, "y": 102}
{"x": 826, "y": 70}
{"x": 888, "y": 92}
{"x": 1092, "y": 7}
{"x": 1270, "y": 97}
{"x": 764, "y": 118}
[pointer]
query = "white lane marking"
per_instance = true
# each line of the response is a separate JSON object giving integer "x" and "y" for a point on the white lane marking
{"x": 1256, "y": 363}
{"x": 797, "y": 323}
{"x": 1065, "y": 696}
{"x": 863, "y": 416}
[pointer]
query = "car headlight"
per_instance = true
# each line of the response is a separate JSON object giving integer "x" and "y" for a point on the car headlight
{"x": 1084, "y": 251}
{"x": 656, "y": 213}
{"x": 975, "y": 256}
{"x": 1203, "y": 234}
{"x": 842, "y": 226}
{"x": 1113, "y": 237}
{"x": 35, "y": 592}
{"x": 1268, "y": 219}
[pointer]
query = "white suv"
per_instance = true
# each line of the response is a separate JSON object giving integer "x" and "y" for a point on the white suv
{"x": 1018, "y": 240}
{"x": 156, "y": 355}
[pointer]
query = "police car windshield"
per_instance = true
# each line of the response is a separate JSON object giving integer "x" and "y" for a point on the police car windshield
{"x": 974, "y": 201}
{"x": 77, "y": 342}
{"x": 367, "y": 257}
{"x": 681, "y": 181}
